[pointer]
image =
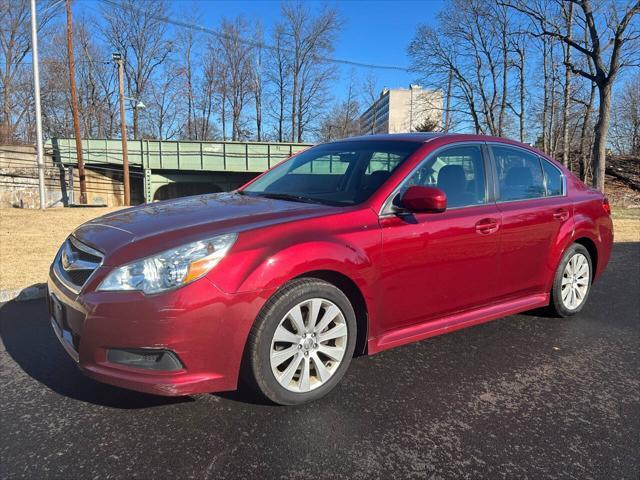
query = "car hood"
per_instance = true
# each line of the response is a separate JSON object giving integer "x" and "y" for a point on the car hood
{"x": 169, "y": 223}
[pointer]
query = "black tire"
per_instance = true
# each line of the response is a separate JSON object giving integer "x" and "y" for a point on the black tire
{"x": 258, "y": 372}
{"x": 556, "y": 305}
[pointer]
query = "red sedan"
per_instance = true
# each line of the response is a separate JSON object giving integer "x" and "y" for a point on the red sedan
{"x": 350, "y": 247}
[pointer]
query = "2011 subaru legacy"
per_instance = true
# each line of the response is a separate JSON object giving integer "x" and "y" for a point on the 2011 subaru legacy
{"x": 350, "y": 247}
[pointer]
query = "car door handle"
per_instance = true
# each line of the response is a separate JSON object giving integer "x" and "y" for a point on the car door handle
{"x": 561, "y": 214}
{"x": 487, "y": 226}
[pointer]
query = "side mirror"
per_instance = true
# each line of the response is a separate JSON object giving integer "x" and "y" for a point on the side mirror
{"x": 419, "y": 199}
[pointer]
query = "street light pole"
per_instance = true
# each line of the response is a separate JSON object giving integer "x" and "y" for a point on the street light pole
{"x": 36, "y": 94}
{"x": 123, "y": 130}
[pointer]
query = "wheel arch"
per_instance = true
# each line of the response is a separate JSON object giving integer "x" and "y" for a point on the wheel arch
{"x": 591, "y": 247}
{"x": 352, "y": 291}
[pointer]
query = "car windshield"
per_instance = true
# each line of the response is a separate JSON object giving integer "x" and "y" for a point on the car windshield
{"x": 341, "y": 173}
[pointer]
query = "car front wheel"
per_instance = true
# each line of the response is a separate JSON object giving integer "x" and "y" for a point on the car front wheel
{"x": 572, "y": 282}
{"x": 302, "y": 342}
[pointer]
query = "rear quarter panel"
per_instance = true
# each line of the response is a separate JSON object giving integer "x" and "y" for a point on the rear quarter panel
{"x": 590, "y": 221}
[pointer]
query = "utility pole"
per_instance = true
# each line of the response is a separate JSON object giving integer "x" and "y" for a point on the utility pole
{"x": 74, "y": 105}
{"x": 36, "y": 94}
{"x": 123, "y": 129}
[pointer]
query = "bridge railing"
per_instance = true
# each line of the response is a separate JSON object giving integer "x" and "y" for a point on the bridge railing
{"x": 209, "y": 156}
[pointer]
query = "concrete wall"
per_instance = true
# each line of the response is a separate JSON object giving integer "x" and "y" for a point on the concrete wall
{"x": 19, "y": 178}
{"x": 19, "y": 182}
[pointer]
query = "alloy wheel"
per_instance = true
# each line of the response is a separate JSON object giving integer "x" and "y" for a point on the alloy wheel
{"x": 308, "y": 345}
{"x": 575, "y": 281}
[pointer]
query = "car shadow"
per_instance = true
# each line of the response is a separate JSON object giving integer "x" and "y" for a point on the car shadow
{"x": 31, "y": 343}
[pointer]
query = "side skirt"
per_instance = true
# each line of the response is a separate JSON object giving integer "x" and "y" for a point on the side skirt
{"x": 454, "y": 322}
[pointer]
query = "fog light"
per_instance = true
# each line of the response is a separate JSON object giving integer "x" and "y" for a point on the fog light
{"x": 152, "y": 359}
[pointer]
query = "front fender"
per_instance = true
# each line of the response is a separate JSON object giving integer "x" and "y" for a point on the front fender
{"x": 296, "y": 260}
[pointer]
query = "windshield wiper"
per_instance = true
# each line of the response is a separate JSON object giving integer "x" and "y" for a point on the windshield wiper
{"x": 287, "y": 196}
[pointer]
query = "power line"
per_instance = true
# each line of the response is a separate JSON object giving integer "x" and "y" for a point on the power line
{"x": 251, "y": 43}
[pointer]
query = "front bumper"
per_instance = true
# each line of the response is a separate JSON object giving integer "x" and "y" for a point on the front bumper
{"x": 205, "y": 328}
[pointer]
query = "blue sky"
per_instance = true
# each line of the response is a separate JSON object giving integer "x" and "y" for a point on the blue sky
{"x": 373, "y": 31}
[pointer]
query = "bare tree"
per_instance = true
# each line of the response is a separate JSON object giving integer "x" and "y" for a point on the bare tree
{"x": 258, "y": 79}
{"x": 186, "y": 45}
{"x": 625, "y": 121}
{"x": 612, "y": 46}
{"x": 96, "y": 79}
{"x": 310, "y": 40}
{"x": 518, "y": 43}
{"x": 163, "y": 110}
{"x": 136, "y": 30}
{"x": 467, "y": 55}
{"x": 568, "y": 17}
{"x": 342, "y": 121}
{"x": 236, "y": 60}
{"x": 206, "y": 100}
{"x": 278, "y": 69}
{"x": 15, "y": 45}
{"x": 437, "y": 56}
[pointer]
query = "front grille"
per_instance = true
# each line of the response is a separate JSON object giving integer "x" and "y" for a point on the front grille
{"x": 75, "y": 263}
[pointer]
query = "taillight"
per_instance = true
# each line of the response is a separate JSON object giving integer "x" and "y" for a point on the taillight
{"x": 605, "y": 206}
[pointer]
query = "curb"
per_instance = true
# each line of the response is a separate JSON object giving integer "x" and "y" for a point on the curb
{"x": 22, "y": 294}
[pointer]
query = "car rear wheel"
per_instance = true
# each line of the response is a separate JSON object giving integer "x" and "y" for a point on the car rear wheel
{"x": 302, "y": 342}
{"x": 572, "y": 282}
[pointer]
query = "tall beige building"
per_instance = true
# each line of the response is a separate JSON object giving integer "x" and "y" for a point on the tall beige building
{"x": 402, "y": 110}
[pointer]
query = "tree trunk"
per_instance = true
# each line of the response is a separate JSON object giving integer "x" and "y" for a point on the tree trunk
{"x": 300, "y": 117}
{"x": 505, "y": 74}
{"x": 294, "y": 100}
{"x": 600, "y": 130}
{"x": 567, "y": 90}
{"x": 135, "y": 123}
{"x": 189, "y": 96}
{"x": 545, "y": 98}
{"x": 585, "y": 148}
{"x": 447, "y": 118}
{"x": 7, "y": 129}
{"x": 281, "y": 118}
{"x": 224, "y": 118}
{"x": 552, "y": 107}
{"x": 258, "y": 118}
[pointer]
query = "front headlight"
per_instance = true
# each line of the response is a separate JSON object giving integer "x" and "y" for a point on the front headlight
{"x": 170, "y": 269}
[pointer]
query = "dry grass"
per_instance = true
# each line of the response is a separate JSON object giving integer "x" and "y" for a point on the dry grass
{"x": 29, "y": 239}
{"x": 626, "y": 224}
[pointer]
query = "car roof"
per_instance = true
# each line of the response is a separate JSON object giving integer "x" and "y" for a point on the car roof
{"x": 423, "y": 137}
{"x": 408, "y": 137}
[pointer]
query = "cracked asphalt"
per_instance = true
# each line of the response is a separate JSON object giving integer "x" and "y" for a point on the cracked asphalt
{"x": 526, "y": 396}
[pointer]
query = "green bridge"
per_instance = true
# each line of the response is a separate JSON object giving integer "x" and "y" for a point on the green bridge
{"x": 163, "y": 166}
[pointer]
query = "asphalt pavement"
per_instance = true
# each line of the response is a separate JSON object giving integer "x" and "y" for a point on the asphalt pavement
{"x": 527, "y": 396}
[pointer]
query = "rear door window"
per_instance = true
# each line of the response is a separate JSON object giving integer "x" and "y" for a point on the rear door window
{"x": 519, "y": 172}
